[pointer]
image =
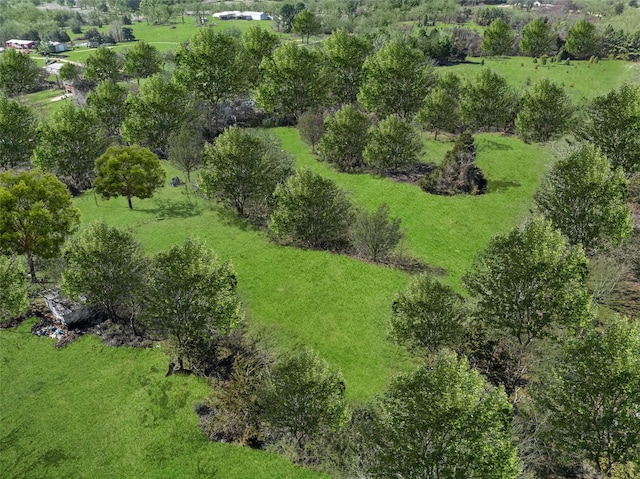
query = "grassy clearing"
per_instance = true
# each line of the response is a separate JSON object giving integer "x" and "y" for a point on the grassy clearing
{"x": 580, "y": 79}
{"x": 90, "y": 411}
{"x": 338, "y": 305}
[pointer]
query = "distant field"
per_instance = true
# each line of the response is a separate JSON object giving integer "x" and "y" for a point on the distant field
{"x": 90, "y": 411}
{"x": 580, "y": 79}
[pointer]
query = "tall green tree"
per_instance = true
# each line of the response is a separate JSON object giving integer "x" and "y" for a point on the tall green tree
{"x": 394, "y": 144}
{"x": 586, "y": 199}
{"x": 293, "y": 81}
{"x": 36, "y": 215}
{"x": 19, "y": 73}
{"x": 441, "y": 107}
{"x": 13, "y": 288}
{"x": 303, "y": 398}
{"x": 18, "y": 138}
{"x": 344, "y": 55}
{"x": 108, "y": 105}
{"x": 128, "y": 171}
{"x": 396, "y": 79}
{"x": 69, "y": 143}
{"x": 214, "y": 65}
{"x": 161, "y": 108}
{"x": 428, "y": 316}
{"x": 583, "y": 39}
{"x": 106, "y": 266}
{"x": 259, "y": 43}
{"x": 243, "y": 169}
{"x": 345, "y": 137}
{"x": 193, "y": 298}
{"x": 488, "y": 102}
{"x": 545, "y": 111}
{"x": 156, "y": 12}
{"x": 537, "y": 38}
{"x": 306, "y": 24}
{"x": 312, "y": 211}
{"x": 591, "y": 398}
{"x": 613, "y": 125}
{"x": 104, "y": 65}
{"x": 142, "y": 60}
{"x": 311, "y": 128}
{"x": 498, "y": 38}
{"x": 529, "y": 281}
{"x": 443, "y": 420}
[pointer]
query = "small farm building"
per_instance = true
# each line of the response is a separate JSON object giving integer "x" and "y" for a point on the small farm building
{"x": 21, "y": 44}
{"x": 236, "y": 15}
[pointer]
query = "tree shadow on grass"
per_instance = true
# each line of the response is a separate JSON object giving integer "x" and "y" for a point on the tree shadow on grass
{"x": 167, "y": 209}
{"x": 230, "y": 218}
{"x": 498, "y": 186}
{"x": 491, "y": 145}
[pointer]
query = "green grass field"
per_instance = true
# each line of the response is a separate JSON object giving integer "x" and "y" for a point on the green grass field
{"x": 336, "y": 304}
{"x": 90, "y": 411}
{"x": 580, "y": 79}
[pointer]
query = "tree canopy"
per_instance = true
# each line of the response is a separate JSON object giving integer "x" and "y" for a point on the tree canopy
{"x": 443, "y": 420}
{"x": 142, "y": 60}
{"x": 498, "y": 38}
{"x": 104, "y": 64}
{"x": 536, "y": 37}
{"x": 129, "y": 171}
{"x": 19, "y": 73}
{"x": 244, "y": 169}
{"x": 545, "y": 111}
{"x": 18, "y": 139}
{"x": 585, "y": 198}
{"x": 394, "y": 145}
{"x": 346, "y": 134}
{"x": 396, "y": 79}
{"x": 13, "y": 288}
{"x": 311, "y": 210}
{"x": 583, "y": 39}
{"x": 530, "y": 280}
{"x": 36, "y": 215}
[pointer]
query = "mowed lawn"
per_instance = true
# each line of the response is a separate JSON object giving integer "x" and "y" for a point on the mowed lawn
{"x": 91, "y": 411}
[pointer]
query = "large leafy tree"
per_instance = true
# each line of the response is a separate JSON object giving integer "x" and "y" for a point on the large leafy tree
{"x": 443, "y": 420}
{"x": 498, "y": 38}
{"x": 293, "y": 81}
{"x": 106, "y": 266}
{"x": 344, "y": 55}
{"x": 244, "y": 169}
{"x": 585, "y": 198}
{"x": 306, "y": 24}
{"x": 396, "y": 79}
{"x": 345, "y": 137}
{"x": 488, "y": 102}
{"x": 36, "y": 215}
{"x": 529, "y": 281}
{"x": 19, "y": 73}
{"x": 104, "y": 65}
{"x": 428, "y": 315}
{"x": 311, "y": 210}
{"x": 193, "y": 298}
{"x": 537, "y": 37}
{"x": 142, "y": 60}
{"x": 214, "y": 65}
{"x": 394, "y": 144}
{"x": 591, "y": 398}
{"x": 69, "y": 143}
{"x": 303, "y": 398}
{"x": 613, "y": 125}
{"x": 441, "y": 107}
{"x": 13, "y": 288}
{"x": 18, "y": 138}
{"x": 161, "y": 108}
{"x": 108, "y": 104}
{"x": 259, "y": 43}
{"x": 545, "y": 111}
{"x": 128, "y": 171}
{"x": 583, "y": 39}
